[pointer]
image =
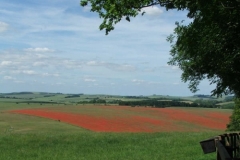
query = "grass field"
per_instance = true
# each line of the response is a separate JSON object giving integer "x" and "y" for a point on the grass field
{"x": 25, "y": 137}
{"x": 98, "y": 146}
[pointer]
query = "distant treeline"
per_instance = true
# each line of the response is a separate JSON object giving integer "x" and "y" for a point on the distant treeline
{"x": 49, "y": 95}
{"x": 165, "y": 103}
{"x": 229, "y": 98}
{"x": 157, "y": 103}
{"x": 13, "y": 97}
{"x": 93, "y": 101}
{"x": 203, "y": 96}
{"x": 207, "y": 103}
{"x": 136, "y": 97}
{"x": 40, "y": 102}
{"x": 73, "y": 96}
{"x": 18, "y": 93}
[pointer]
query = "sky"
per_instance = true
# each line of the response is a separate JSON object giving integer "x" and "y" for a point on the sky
{"x": 56, "y": 46}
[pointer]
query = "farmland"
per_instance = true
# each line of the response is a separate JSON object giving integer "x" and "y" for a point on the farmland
{"x": 33, "y": 128}
{"x": 138, "y": 119}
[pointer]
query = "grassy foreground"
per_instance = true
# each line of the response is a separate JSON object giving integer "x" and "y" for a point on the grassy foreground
{"x": 25, "y": 137}
{"x": 97, "y": 146}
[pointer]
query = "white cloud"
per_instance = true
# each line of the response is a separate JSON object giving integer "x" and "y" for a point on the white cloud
{"x": 154, "y": 83}
{"x": 39, "y": 50}
{"x": 175, "y": 68}
{"x": 40, "y": 56}
{"x": 89, "y": 80}
{"x": 112, "y": 66}
{"x": 152, "y": 10}
{"x": 145, "y": 82}
{"x": 125, "y": 67}
{"x": 39, "y": 63}
{"x": 8, "y": 78}
{"x": 120, "y": 67}
{"x": 59, "y": 83}
{"x": 17, "y": 81}
{"x": 3, "y": 26}
{"x": 87, "y": 8}
{"x": 29, "y": 72}
{"x": 48, "y": 74}
{"x": 114, "y": 61}
{"x": 68, "y": 63}
{"x": 138, "y": 82}
{"x": 6, "y": 63}
{"x": 92, "y": 63}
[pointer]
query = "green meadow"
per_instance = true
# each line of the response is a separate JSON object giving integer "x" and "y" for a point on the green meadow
{"x": 24, "y": 137}
{"x": 74, "y": 145}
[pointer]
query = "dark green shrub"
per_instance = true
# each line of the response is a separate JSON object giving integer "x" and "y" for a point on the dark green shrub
{"x": 234, "y": 124}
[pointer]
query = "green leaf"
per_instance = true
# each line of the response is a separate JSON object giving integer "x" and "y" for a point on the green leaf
{"x": 128, "y": 19}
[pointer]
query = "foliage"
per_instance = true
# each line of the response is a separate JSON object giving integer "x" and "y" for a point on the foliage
{"x": 208, "y": 47}
{"x": 229, "y": 98}
{"x": 72, "y": 96}
{"x": 113, "y": 11}
{"x": 227, "y": 106}
{"x": 93, "y": 101}
{"x": 169, "y": 103}
{"x": 234, "y": 124}
{"x": 207, "y": 103}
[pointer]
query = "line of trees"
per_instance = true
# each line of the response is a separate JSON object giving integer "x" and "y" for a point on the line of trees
{"x": 170, "y": 103}
{"x": 161, "y": 103}
{"x": 93, "y": 101}
{"x": 72, "y": 96}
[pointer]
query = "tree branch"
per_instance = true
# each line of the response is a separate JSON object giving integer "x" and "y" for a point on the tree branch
{"x": 156, "y": 3}
{"x": 227, "y": 7}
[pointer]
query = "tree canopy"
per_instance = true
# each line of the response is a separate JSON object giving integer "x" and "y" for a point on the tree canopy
{"x": 207, "y": 48}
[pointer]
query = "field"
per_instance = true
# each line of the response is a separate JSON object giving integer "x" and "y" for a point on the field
{"x": 134, "y": 119}
{"x": 30, "y": 131}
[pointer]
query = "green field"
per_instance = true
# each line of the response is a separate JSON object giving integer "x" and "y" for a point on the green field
{"x": 25, "y": 137}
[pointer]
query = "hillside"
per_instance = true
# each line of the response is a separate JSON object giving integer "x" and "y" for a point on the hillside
{"x": 205, "y": 101}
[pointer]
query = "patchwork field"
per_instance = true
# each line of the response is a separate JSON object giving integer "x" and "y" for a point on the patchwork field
{"x": 96, "y": 132}
{"x": 134, "y": 119}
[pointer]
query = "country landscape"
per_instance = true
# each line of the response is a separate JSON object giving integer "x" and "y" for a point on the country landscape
{"x": 77, "y": 126}
{"x": 119, "y": 80}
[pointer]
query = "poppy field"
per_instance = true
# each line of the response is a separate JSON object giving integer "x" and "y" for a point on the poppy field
{"x": 61, "y": 132}
{"x": 100, "y": 118}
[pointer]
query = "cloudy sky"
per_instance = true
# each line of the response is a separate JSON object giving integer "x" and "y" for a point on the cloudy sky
{"x": 56, "y": 46}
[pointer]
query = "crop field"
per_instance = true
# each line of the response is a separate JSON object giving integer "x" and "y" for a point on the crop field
{"x": 134, "y": 119}
{"x": 95, "y": 132}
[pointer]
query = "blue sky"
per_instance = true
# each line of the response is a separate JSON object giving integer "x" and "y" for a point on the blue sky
{"x": 56, "y": 46}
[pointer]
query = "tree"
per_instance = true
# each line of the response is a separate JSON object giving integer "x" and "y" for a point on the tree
{"x": 234, "y": 124}
{"x": 207, "y": 48}
{"x": 112, "y": 11}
